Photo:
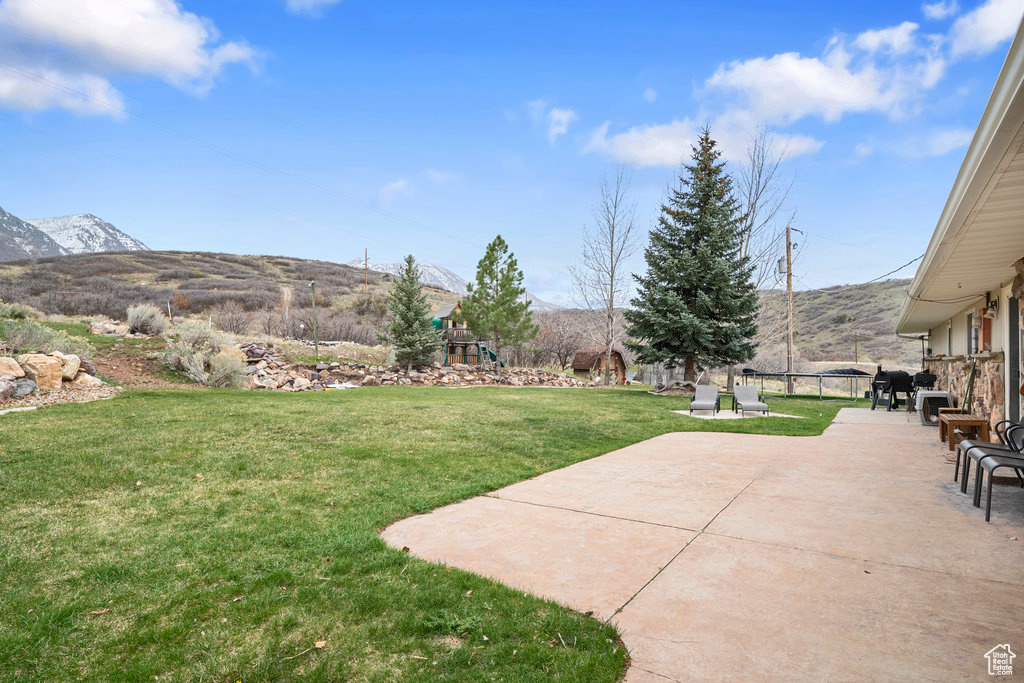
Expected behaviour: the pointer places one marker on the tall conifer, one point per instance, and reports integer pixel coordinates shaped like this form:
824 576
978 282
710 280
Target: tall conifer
696 306
411 332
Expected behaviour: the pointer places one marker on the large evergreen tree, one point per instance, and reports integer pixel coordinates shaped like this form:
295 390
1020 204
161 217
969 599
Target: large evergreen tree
411 332
696 306
496 308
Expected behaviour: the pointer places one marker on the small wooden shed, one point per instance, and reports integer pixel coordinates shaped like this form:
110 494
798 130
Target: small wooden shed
589 364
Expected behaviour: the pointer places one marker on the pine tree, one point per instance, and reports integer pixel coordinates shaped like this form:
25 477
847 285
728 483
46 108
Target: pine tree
496 308
411 332
697 305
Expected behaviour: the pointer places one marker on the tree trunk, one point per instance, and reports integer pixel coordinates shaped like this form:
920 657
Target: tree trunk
730 378
690 370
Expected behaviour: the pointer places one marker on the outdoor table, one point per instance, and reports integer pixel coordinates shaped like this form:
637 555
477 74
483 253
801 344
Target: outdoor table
950 422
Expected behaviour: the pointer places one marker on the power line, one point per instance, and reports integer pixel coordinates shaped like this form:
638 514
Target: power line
859 284
880 277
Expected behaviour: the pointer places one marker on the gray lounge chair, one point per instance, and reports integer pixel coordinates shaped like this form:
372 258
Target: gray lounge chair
745 398
706 398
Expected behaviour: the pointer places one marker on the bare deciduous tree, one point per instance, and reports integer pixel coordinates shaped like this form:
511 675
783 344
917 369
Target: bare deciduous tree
599 279
763 193
561 336
231 317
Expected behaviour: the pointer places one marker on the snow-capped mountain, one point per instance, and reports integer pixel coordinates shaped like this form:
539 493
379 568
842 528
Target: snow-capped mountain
21 240
442 278
540 305
85 233
435 276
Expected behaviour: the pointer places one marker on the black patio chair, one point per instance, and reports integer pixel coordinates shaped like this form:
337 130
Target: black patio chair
1011 442
988 465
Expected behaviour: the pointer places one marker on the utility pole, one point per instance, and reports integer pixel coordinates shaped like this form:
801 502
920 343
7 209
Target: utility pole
316 339
366 270
789 294
856 355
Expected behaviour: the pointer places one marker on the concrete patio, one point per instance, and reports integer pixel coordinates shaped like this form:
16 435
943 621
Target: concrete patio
851 555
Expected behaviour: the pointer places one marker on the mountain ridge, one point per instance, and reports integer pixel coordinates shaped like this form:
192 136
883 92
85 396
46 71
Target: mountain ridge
85 233
443 278
20 239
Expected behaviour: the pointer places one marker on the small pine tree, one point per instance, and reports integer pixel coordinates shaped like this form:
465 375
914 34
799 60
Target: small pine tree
696 305
411 332
496 308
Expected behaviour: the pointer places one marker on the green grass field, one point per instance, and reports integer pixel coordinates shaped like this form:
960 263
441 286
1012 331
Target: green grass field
119 561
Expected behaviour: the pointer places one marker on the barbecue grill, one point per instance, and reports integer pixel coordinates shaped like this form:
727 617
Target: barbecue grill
885 386
925 380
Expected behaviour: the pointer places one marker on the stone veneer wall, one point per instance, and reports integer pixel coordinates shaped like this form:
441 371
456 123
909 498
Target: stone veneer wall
988 397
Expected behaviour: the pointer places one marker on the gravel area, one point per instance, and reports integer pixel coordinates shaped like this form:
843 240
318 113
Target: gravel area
49 398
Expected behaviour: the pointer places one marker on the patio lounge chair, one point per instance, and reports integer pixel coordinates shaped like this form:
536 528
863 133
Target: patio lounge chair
745 398
706 398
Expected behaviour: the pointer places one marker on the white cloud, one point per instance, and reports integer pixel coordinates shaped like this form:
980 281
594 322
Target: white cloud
940 10
883 71
983 29
669 144
558 122
37 89
942 142
93 40
309 7
896 39
650 94
665 144
393 190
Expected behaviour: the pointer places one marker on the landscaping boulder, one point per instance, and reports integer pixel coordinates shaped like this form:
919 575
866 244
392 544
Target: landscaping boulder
253 351
301 384
7 388
84 380
9 366
109 329
69 362
24 387
44 370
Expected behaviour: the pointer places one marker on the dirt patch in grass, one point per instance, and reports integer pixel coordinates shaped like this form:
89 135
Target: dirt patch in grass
138 365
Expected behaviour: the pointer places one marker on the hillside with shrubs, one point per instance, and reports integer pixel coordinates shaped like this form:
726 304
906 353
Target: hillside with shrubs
835 324
257 294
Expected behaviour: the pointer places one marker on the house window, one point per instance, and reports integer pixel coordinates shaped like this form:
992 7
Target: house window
972 335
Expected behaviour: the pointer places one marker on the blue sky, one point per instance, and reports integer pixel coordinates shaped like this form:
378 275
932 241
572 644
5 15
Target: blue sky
314 128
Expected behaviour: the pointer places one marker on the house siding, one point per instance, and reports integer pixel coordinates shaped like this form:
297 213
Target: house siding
952 366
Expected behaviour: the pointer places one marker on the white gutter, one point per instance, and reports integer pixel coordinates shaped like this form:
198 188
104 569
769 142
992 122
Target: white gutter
988 147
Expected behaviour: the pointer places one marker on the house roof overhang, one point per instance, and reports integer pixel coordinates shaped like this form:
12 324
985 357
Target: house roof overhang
981 229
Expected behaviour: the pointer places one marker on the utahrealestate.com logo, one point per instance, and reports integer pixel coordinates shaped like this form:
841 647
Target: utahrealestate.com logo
1000 660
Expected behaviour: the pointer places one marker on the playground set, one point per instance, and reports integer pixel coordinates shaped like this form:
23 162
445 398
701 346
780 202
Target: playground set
460 346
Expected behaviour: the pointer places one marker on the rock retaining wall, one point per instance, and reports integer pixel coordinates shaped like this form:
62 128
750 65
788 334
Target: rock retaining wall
267 369
41 372
988 396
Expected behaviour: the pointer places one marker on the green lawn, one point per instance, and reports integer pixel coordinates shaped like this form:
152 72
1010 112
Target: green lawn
118 561
99 342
